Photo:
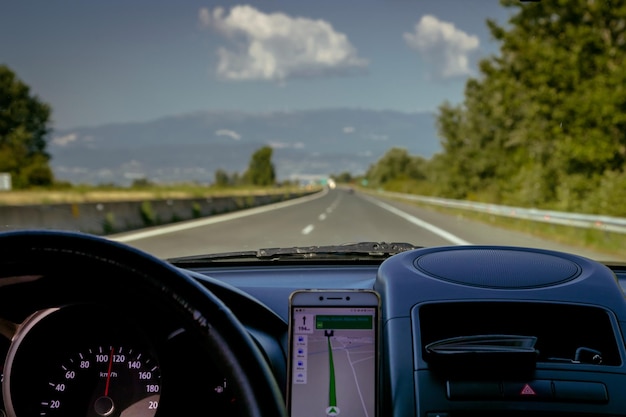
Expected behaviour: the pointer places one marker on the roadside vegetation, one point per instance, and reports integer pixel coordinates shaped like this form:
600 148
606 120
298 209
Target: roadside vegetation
96 194
611 244
542 125
25 126
258 179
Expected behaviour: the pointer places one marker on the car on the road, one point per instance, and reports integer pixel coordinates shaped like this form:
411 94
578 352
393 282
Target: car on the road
464 318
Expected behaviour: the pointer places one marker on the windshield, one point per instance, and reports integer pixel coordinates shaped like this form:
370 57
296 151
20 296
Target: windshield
188 128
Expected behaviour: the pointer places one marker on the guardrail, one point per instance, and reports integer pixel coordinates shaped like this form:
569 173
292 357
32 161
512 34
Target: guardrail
121 216
600 222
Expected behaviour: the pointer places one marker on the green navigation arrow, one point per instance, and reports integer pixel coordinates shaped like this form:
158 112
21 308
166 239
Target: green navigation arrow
332 411
332 393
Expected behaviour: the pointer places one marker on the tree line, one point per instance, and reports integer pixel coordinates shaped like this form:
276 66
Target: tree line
260 172
544 122
24 126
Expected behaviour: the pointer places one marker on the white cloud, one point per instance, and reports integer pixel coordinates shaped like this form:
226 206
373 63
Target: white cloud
105 173
285 145
348 129
134 175
71 170
230 133
277 47
204 17
132 165
377 137
65 140
443 46
70 138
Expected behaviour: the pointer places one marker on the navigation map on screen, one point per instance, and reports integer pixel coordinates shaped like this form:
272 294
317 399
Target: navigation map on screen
334 361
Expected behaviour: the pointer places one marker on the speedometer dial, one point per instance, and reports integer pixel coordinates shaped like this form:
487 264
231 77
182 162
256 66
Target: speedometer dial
104 380
82 360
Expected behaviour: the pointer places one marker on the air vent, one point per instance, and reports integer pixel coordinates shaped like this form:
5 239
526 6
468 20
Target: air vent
565 333
502 268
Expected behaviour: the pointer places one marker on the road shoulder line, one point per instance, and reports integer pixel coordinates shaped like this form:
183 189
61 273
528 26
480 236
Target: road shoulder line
192 224
419 222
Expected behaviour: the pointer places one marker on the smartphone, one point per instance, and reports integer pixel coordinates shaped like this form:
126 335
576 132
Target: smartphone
333 353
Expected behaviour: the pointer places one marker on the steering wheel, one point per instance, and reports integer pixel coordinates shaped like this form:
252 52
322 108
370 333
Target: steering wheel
130 271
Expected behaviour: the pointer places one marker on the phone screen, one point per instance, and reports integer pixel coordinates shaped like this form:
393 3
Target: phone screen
333 361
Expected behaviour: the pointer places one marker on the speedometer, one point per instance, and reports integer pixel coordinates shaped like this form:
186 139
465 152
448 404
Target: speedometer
103 380
82 360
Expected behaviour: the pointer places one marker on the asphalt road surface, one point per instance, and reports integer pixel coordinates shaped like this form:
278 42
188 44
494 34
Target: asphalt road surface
327 218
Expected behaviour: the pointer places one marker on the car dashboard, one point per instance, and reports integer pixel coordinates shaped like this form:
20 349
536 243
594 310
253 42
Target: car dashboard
465 331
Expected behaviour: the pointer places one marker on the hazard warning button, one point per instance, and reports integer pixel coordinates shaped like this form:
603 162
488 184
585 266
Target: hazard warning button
536 390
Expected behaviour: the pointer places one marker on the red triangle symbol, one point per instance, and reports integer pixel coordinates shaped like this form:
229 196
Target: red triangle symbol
527 390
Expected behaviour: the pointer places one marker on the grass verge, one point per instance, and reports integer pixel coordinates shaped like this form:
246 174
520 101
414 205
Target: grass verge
98 195
609 243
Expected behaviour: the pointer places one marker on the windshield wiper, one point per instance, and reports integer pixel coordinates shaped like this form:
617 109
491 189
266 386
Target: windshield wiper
361 250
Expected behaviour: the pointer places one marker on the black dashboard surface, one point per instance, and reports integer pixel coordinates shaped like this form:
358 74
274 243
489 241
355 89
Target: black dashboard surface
572 306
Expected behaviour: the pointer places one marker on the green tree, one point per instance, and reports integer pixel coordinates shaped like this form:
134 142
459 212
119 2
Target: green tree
396 164
344 177
141 183
545 122
24 125
261 169
221 178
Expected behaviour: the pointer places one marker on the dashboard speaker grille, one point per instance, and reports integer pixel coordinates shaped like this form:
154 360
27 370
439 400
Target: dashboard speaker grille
497 268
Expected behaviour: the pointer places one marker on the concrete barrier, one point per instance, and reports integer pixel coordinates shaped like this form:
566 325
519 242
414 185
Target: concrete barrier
114 217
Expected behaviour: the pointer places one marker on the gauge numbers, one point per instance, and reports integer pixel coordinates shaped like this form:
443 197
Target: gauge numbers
104 380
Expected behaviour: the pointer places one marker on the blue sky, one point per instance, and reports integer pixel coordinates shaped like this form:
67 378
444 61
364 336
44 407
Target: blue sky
99 62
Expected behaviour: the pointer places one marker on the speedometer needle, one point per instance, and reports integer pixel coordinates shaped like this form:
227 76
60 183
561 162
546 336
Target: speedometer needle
106 389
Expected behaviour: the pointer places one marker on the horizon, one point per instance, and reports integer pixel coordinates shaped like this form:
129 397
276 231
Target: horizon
247 113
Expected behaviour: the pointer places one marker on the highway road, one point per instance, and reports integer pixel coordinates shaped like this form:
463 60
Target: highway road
327 218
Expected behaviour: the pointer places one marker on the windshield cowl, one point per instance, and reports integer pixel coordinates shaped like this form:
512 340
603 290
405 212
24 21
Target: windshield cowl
361 250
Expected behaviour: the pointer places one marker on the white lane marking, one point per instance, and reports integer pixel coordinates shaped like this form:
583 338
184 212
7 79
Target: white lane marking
322 217
421 223
192 224
308 229
335 203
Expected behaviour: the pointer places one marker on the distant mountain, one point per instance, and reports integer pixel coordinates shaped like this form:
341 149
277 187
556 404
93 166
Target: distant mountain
191 147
